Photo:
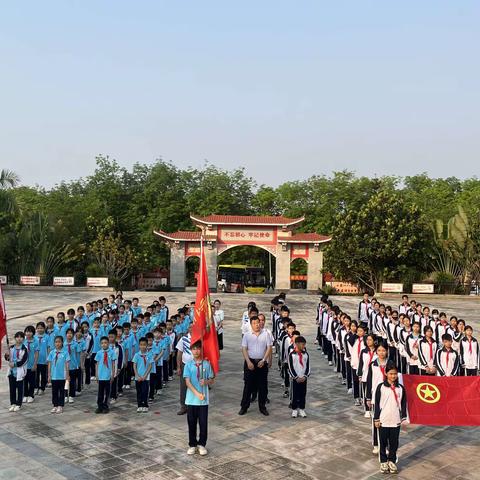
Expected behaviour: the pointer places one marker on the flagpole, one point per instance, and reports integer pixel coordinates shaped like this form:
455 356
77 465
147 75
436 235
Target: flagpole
4 308
203 333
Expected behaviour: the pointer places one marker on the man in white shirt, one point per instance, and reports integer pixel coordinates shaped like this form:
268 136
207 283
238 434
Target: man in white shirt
257 350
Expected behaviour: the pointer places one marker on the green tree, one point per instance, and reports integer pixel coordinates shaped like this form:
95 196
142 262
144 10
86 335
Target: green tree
382 240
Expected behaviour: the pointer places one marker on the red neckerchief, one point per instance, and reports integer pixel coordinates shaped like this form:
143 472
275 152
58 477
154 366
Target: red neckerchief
469 345
415 343
300 356
394 390
382 369
56 356
69 348
15 354
144 359
448 355
430 344
371 353
105 358
28 346
198 370
359 346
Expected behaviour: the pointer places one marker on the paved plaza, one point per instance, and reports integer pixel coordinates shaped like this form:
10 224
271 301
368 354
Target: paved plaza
332 443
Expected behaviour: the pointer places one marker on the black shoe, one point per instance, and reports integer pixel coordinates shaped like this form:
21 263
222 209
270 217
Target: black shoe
264 411
106 410
267 400
242 411
182 411
98 410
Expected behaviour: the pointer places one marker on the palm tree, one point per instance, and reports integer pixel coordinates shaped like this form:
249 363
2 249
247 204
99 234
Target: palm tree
8 180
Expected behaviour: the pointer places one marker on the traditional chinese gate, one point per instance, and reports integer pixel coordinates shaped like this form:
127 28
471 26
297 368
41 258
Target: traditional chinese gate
222 232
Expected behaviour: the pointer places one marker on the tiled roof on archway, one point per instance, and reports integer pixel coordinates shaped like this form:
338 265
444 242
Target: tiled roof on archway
247 219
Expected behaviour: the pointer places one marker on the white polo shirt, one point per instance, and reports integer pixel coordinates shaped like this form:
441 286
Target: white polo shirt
257 344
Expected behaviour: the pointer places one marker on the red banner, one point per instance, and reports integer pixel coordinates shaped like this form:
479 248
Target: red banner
447 401
203 327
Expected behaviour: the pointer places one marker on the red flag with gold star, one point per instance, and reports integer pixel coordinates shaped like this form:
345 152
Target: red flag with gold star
436 400
203 327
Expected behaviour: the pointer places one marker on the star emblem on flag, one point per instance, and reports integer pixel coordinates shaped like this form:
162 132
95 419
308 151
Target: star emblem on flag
428 393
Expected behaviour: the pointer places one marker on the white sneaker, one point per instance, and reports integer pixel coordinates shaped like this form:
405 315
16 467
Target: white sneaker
344 382
17 408
302 413
71 400
357 402
202 450
392 467
78 393
12 408
375 450
170 379
139 410
339 375
93 378
349 390
112 401
30 399
294 413
145 410
127 387
24 400
40 392
384 468
66 399
367 414
53 410
59 409
330 364
192 451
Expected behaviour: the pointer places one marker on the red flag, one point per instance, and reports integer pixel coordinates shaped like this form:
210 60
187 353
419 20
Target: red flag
203 327
3 322
434 400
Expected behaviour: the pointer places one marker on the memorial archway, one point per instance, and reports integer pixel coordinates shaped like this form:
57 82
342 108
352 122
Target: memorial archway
275 234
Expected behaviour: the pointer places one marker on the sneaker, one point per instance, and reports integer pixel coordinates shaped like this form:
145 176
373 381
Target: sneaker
294 413
384 468
112 401
59 409
37 391
286 394
78 393
170 379
367 414
24 400
192 451
344 382
182 411
349 390
53 410
357 402
127 387
17 408
392 467
12 408
375 451
330 364
71 400
302 413
202 450
339 375
242 411
93 378
40 392
319 348
139 410
120 394
145 410
66 399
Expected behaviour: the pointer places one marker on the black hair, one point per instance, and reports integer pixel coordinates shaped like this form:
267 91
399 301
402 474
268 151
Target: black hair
29 328
103 338
296 332
69 330
112 332
390 366
85 323
19 334
197 344
291 324
426 328
58 337
70 311
468 327
446 337
143 340
253 309
300 339
162 298
127 325
149 335
41 324
253 317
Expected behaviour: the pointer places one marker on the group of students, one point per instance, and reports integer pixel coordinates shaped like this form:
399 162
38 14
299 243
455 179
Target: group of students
370 352
113 341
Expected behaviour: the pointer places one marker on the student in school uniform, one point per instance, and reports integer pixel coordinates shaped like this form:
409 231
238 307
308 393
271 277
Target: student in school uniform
364 310
96 336
58 373
42 371
392 337
142 366
287 340
411 347
71 322
17 358
469 353
389 413
367 356
441 328
70 347
447 360
351 331
87 357
171 356
32 348
184 355
79 352
116 348
199 377
105 374
299 370
404 306
355 346
376 376
218 317
404 332
427 348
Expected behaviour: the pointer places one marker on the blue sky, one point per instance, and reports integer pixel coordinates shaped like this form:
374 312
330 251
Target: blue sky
285 89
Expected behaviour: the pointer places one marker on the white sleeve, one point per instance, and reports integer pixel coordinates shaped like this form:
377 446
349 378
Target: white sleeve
180 345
